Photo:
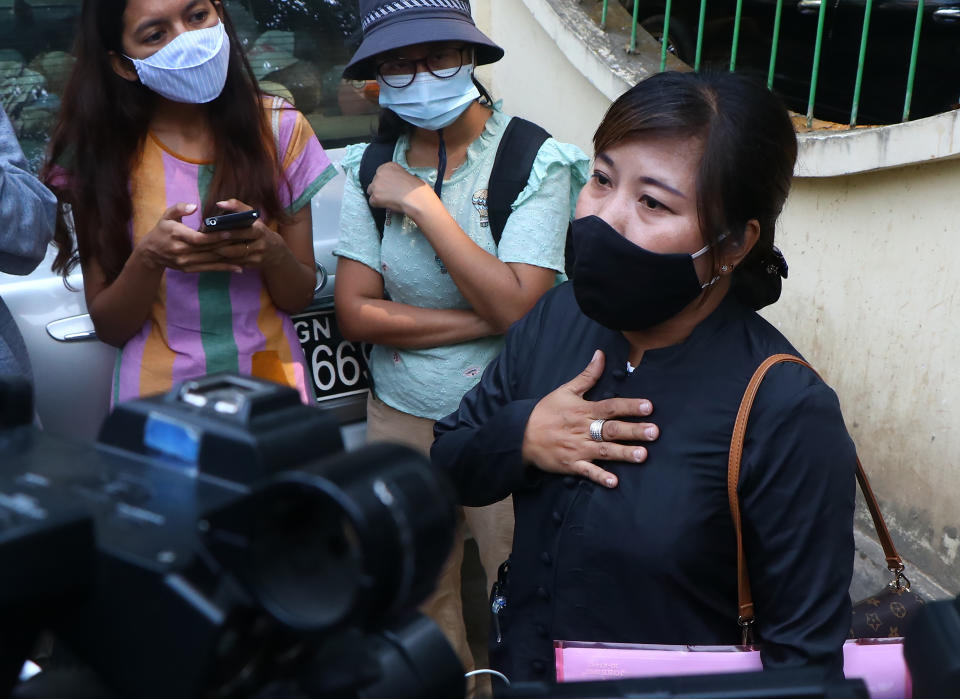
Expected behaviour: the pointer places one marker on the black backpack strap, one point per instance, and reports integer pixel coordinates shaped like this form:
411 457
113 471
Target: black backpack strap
375 155
511 170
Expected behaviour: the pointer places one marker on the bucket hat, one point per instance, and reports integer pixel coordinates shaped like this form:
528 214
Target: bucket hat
388 25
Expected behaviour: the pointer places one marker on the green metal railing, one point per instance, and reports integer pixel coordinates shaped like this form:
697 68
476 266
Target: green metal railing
700 21
861 61
820 6
774 44
815 73
913 60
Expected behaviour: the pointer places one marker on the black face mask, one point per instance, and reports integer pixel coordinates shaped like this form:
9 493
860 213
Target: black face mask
624 287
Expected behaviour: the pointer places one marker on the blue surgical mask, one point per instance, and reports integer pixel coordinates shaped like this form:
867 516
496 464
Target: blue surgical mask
192 68
430 102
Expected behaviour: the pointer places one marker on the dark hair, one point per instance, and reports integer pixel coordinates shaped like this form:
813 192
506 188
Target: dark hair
103 123
390 126
749 151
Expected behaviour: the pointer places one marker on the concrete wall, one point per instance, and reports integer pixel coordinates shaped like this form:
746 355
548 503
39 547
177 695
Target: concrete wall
534 79
871 299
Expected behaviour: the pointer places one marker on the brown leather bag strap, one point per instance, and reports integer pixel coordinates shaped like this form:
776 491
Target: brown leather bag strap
745 598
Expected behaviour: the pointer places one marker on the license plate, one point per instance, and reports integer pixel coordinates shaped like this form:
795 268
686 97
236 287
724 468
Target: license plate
338 367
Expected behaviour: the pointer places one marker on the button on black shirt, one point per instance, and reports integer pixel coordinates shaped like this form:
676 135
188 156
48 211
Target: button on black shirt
654 560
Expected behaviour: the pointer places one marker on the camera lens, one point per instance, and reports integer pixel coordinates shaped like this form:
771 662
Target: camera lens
353 539
305 560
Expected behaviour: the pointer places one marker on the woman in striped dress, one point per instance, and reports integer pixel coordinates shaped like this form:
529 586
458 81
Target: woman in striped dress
162 125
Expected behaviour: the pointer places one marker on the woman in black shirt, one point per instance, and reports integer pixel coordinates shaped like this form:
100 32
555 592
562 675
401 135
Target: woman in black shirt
623 528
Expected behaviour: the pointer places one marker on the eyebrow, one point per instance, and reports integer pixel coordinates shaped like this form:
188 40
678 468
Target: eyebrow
146 24
646 180
160 20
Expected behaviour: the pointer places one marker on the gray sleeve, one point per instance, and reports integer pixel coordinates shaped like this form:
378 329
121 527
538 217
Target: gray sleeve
27 208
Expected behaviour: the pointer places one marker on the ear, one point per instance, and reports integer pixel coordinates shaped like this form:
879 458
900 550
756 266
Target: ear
735 250
123 67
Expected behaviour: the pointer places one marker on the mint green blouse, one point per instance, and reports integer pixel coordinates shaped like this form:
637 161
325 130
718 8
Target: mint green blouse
430 382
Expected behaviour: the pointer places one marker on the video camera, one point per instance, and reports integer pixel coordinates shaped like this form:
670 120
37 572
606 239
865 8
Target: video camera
216 542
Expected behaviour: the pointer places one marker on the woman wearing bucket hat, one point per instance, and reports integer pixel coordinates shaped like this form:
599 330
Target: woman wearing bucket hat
433 286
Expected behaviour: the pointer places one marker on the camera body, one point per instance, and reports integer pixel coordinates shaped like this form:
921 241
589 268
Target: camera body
932 650
214 539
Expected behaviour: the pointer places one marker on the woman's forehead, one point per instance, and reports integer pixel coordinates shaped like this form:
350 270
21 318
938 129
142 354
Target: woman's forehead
138 11
656 151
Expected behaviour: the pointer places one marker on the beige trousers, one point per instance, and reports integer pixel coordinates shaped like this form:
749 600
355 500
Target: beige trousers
491 527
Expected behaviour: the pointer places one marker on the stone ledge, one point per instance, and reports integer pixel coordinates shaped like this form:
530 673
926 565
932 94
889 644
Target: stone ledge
833 153
600 56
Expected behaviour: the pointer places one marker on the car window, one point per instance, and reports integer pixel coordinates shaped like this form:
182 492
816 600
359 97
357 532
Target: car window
297 49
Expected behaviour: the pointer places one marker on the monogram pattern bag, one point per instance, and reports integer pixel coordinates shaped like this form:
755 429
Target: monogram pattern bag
883 615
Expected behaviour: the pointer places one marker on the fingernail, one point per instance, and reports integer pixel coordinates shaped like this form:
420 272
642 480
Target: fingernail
645 407
221 203
651 432
596 356
638 454
190 208
611 482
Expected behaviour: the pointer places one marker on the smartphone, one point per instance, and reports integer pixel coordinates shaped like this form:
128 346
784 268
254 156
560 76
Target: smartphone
231 221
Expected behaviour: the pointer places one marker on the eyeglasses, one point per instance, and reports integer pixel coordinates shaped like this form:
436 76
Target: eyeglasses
441 63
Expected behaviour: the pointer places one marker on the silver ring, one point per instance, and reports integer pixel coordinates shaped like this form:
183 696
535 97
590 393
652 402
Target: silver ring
596 429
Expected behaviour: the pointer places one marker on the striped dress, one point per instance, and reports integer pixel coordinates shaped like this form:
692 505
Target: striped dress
202 323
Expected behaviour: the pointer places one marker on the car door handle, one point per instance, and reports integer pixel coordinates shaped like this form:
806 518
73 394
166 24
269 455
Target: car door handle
321 278
72 329
947 15
809 7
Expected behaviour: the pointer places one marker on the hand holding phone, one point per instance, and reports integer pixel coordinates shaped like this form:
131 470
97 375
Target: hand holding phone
231 221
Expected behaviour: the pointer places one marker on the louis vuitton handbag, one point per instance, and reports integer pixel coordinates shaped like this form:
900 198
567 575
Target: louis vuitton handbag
874 653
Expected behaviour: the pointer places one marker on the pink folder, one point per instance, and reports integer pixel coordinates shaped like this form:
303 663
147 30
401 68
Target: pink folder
878 661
